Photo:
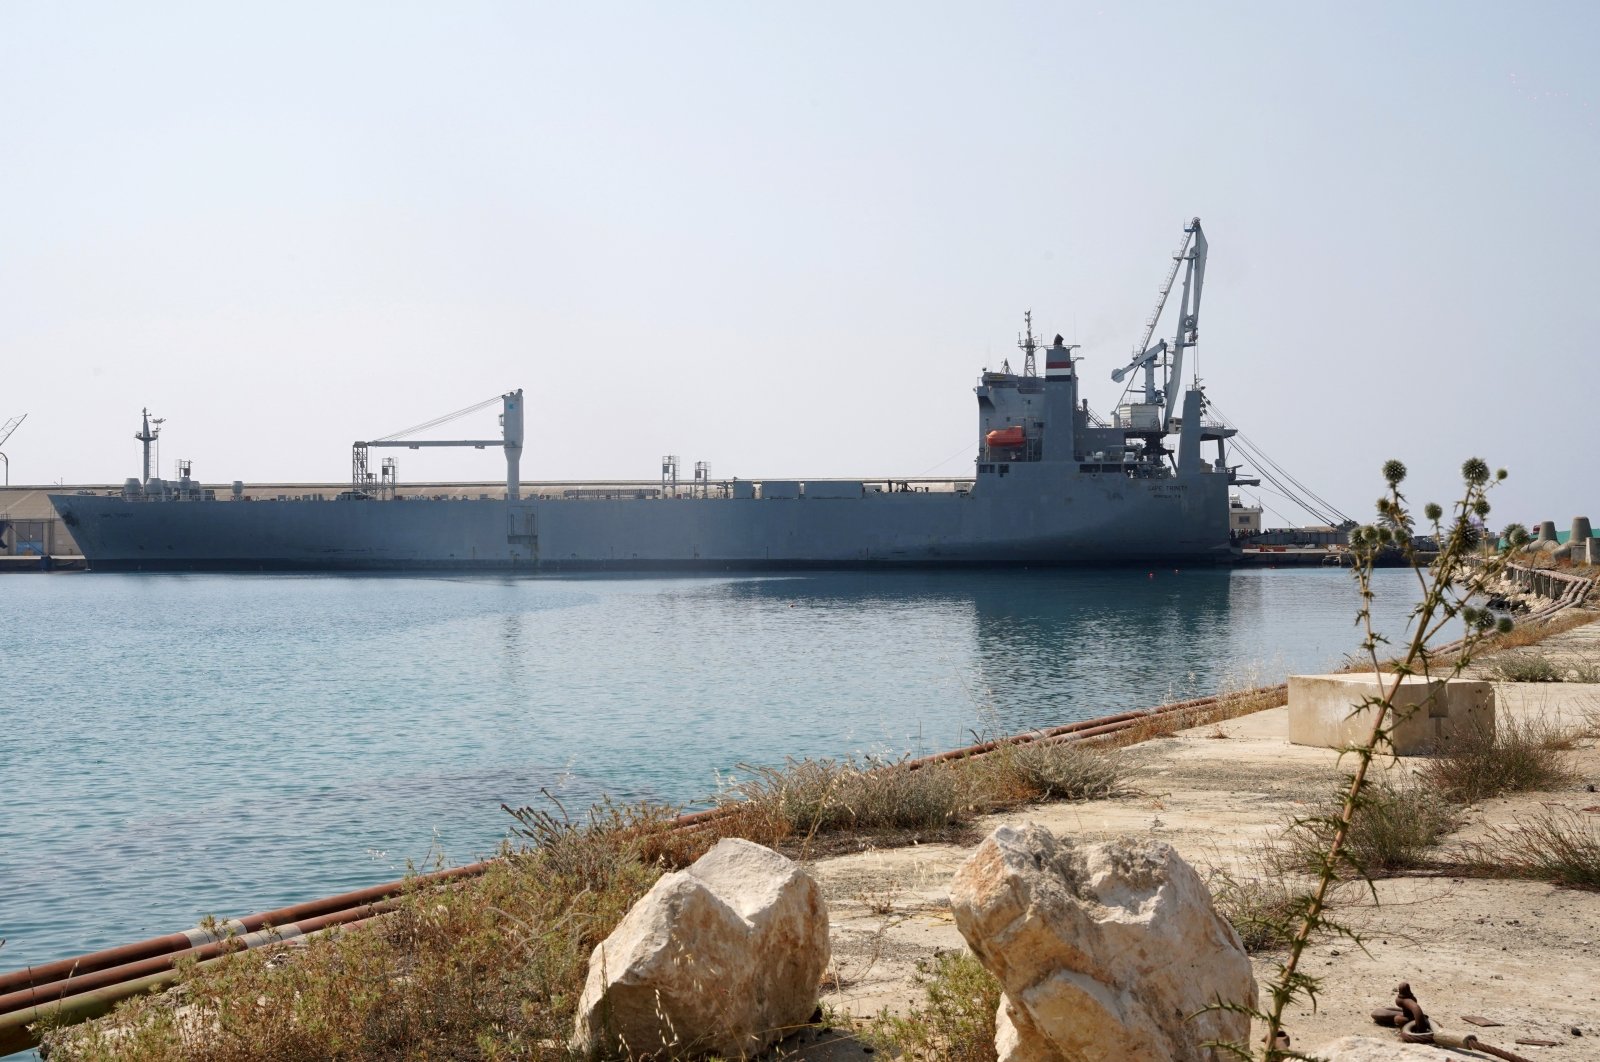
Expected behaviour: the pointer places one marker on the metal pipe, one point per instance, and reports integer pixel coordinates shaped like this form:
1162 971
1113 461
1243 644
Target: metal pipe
16 1034
48 973
30 997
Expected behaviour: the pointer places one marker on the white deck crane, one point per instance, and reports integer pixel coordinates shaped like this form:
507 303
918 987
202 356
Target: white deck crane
362 481
1147 362
6 430
1190 256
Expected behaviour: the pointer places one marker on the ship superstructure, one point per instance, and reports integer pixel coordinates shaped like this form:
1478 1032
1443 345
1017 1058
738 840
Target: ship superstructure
1052 483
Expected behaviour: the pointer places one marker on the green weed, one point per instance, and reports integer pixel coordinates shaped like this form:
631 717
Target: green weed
956 1022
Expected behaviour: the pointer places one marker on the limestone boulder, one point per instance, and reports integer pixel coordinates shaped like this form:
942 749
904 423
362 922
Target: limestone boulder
1106 952
722 958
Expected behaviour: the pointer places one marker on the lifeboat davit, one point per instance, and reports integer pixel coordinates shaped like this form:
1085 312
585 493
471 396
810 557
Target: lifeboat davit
1004 438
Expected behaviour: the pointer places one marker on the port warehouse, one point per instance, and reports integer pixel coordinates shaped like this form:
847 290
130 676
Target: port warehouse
29 525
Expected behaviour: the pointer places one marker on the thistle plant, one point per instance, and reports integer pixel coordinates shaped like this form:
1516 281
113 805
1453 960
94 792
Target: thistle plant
1448 585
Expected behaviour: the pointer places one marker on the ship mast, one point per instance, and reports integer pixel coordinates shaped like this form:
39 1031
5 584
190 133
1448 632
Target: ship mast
148 435
1027 344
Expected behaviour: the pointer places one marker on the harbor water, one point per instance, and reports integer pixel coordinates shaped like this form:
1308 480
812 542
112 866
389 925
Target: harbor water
182 745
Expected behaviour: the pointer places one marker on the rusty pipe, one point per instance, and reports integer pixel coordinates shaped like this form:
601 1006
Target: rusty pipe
29 997
176 943
16 1033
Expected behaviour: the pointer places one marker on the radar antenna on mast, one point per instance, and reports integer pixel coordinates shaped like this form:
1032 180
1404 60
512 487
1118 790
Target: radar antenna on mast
1027 344
149 431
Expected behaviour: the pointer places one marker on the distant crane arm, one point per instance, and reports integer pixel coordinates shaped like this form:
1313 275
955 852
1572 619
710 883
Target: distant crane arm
5 433
10 426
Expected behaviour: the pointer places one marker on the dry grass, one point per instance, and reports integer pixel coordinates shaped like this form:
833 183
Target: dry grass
1488 761
1533 632
956 1022
1524 634
1061 771
1523 667
1587 671
1394 828
1057 770
1264 909
1558 845
807 798
488 969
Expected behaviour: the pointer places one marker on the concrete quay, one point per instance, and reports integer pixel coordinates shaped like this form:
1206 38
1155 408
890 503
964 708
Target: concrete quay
1523 953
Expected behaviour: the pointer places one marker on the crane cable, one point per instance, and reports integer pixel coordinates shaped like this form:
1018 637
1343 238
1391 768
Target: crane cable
1288 492
1260 456
1325 509
1270 509
437 421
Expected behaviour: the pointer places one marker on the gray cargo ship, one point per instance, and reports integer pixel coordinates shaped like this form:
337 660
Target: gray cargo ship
1052 484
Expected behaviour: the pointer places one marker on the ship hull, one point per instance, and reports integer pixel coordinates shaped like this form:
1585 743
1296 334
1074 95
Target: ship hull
1026 519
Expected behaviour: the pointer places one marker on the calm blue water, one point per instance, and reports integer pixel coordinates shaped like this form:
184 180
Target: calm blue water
174 746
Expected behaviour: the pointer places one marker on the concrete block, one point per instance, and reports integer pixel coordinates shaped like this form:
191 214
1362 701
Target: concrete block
1323 710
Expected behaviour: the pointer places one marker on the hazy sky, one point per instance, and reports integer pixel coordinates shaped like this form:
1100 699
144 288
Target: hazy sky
785 239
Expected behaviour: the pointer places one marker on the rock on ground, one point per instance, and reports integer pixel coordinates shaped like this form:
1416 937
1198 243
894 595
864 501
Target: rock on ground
720 959
1106 952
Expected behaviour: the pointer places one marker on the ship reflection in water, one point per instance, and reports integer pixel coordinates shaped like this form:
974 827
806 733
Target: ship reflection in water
1021 650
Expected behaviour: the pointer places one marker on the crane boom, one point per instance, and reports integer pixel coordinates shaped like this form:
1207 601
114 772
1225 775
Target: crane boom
10 426
362 480
1191 252
1147 362
1166 289
1189 311
5 433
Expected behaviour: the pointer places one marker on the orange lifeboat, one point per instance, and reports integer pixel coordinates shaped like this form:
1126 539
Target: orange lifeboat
1004 438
